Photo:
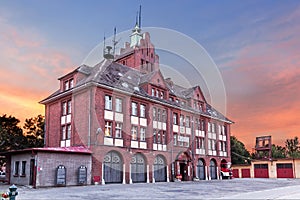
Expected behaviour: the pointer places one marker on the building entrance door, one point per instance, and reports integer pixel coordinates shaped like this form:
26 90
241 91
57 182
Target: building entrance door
183 171
31 174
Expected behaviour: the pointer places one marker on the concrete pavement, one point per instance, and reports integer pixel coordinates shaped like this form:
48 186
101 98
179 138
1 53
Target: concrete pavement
214 189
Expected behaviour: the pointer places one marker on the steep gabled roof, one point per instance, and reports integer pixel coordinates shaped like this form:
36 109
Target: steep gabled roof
127 79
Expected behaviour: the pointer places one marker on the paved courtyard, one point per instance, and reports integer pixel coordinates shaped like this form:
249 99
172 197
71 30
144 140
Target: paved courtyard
216 189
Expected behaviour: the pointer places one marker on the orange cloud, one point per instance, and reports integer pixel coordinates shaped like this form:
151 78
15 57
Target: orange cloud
28 70
263 89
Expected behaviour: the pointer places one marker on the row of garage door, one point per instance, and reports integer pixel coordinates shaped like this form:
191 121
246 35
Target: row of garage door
284 170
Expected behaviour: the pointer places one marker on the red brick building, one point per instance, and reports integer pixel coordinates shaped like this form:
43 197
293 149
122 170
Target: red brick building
139 126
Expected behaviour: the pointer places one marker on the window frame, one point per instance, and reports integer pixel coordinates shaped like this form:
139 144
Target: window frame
118 130
143 134
108 129
23 168
134 133
134 108
108 102
143 110
119 105
16 168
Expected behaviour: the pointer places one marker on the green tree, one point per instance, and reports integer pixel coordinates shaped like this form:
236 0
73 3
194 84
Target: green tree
239 154
292 147
34 131
11 135
278 151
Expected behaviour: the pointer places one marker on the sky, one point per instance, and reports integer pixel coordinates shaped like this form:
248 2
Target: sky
254 44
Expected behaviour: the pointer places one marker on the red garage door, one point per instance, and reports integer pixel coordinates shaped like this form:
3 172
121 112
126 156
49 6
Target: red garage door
235 173
284 170
261 171
245 173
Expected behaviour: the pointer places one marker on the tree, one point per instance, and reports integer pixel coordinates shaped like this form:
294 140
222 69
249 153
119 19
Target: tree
239 154
292 147
278 151
11 135
34 131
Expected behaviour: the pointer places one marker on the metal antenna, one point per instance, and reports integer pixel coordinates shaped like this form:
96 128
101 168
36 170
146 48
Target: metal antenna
104 45
114 41
140 17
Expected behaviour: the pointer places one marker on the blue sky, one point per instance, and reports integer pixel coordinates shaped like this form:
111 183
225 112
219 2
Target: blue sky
255 44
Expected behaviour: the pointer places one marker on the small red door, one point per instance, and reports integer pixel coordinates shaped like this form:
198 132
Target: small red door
235 173
284 170
261 171
245 173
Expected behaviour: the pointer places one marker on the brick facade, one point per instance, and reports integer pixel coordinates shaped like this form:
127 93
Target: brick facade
169 114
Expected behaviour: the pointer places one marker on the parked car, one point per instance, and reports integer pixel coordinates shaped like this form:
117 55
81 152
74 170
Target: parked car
2 177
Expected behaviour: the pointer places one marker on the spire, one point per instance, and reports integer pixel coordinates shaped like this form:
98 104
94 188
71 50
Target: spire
136 35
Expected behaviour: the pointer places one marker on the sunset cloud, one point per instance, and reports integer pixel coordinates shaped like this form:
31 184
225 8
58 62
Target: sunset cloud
29 70
262 83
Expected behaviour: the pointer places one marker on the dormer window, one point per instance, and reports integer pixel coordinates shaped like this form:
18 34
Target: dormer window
71 83
152 92
161 94
68 84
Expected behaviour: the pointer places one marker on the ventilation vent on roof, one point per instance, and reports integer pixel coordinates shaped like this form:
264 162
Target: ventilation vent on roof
125 85
136 89
120 74
129 77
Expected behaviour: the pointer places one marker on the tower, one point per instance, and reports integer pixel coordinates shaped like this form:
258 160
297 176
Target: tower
263 147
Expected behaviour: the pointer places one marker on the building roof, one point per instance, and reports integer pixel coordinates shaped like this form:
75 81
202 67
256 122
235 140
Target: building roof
127 79
73 149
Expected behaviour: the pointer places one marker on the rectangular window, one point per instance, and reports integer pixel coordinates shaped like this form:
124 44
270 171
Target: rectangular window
158 115
134 133
209 127
23 169
143 134
154 137
213 144
157 94
162 95
71 83
209 144
163 138
69 109
181 120
187 121
118 130
63 133
66 86
142 111
69 131
152 92
164 116
154 114
175 139
159 137
200 143
213 128
134 108
202 125
119 105
16 168
108 102
175 118
64 108
108 128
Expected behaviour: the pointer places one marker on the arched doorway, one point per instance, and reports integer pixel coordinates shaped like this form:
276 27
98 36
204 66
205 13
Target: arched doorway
138 168
201 169
113 165
213 169
183 167
160 169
